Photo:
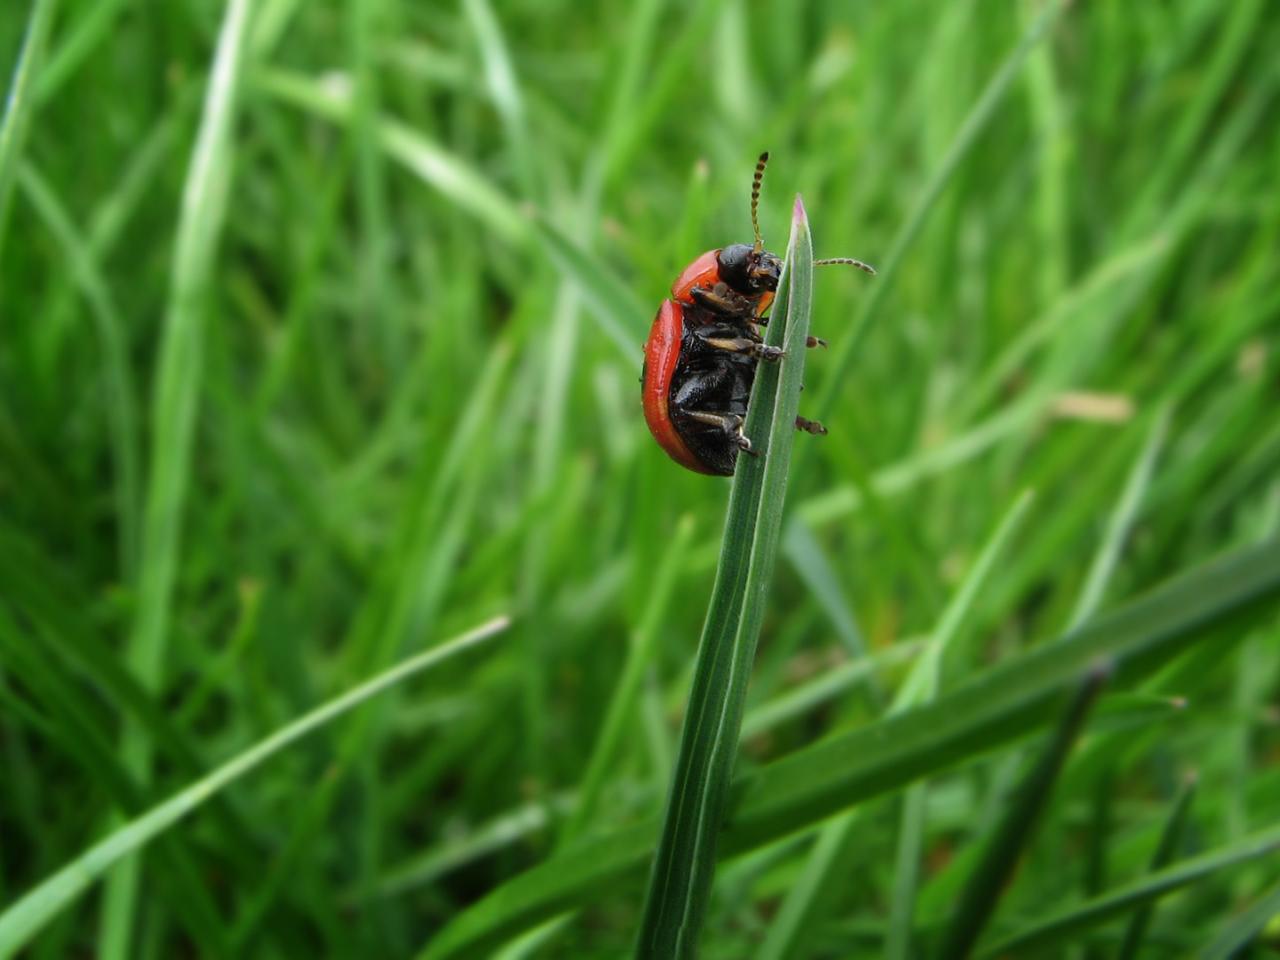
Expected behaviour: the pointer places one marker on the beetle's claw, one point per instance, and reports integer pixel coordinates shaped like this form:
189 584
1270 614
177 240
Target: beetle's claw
766 352
811 426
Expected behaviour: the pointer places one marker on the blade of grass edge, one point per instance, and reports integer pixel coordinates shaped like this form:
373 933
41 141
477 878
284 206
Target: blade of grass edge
613 304
25 917
921 687
175 398
1240 930
1121 521
120 415
1000 706
1144 890
1011 697
518 823
974 123
457 180
1165 849
622 704
797 912
17 112
684 863
990 877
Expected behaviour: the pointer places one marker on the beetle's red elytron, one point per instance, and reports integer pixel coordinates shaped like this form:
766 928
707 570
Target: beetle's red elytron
703 347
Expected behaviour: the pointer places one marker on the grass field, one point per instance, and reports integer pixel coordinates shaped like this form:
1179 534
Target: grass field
320 331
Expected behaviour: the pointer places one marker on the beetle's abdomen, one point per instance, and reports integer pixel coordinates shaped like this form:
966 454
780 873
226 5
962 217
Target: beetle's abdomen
709 380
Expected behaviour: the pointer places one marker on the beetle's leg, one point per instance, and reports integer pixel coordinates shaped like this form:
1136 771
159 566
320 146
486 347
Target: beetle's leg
810 426
730 423
754 328
754 332
723 301
751 348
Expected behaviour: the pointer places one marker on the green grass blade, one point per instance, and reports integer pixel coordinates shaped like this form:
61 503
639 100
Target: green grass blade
906 872
448 173
1169 176
18 102
922 687
808 894
1170 837
965 139
785 937
120 413
990 876
1105 283
1003 702
372 269
483 840
1121 522
622 705
90 28
24 918
806 555
446 231
174 401
80 732
826 686
177 379
922 683
503 85
1146 889
612 302
534 943
684 865
518 824
68 641
903 476
1241 930
997 707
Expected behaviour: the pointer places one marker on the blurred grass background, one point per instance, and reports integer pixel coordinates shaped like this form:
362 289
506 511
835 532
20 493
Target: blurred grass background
374 381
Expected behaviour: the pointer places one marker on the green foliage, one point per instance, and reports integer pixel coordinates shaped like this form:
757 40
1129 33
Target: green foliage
684 863
20 921
321 330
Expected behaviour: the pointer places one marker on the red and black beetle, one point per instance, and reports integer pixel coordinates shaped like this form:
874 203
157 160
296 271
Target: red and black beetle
701 355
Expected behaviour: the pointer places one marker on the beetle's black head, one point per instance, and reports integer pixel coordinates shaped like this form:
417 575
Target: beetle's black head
749 271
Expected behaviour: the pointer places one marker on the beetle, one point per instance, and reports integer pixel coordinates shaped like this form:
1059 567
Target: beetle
704 346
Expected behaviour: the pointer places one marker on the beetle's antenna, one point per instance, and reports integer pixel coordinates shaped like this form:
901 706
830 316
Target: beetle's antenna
755 199
848 261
